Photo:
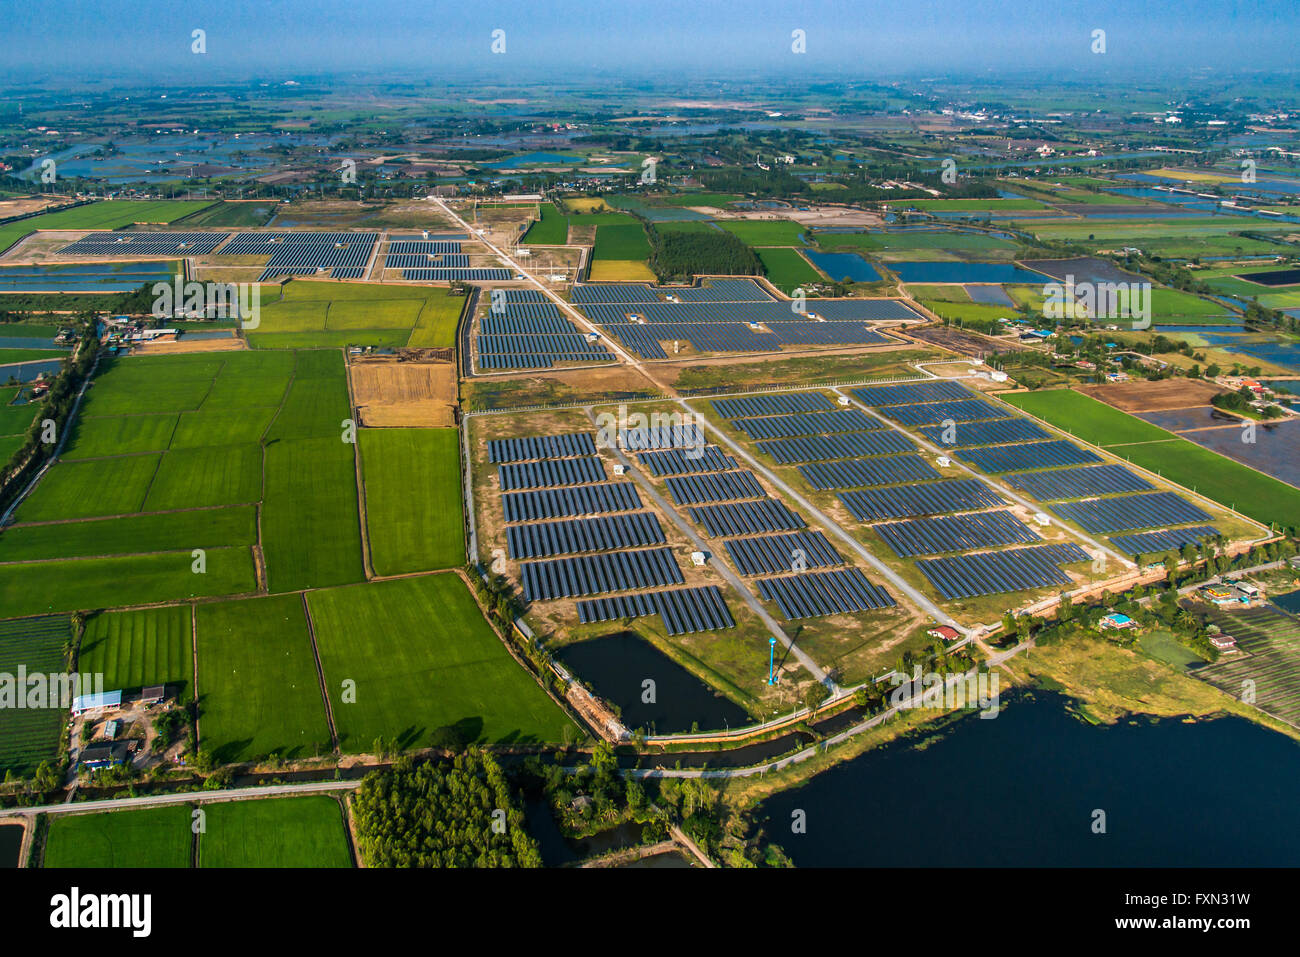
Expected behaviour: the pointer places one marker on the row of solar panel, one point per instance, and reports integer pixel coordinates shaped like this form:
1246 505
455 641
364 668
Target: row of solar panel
1078 482
708 458
820 448
539 504
765 313
1031 455
746 518
592 574
347 272
714 487
145 244
457 275
522 448
929 413
544 539
534 360
688 435
524 345
993 573
304 250
792 552
550 472
524 326
954 533
806 423
951 495
422 247
1152 543
912 392
813 594
994 432
412 261
857 473
775 404
683 610
1151 510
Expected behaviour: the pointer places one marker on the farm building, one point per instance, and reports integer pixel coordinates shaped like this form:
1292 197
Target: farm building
156 694
96 703
946 632
1223 642
1116 621
98 756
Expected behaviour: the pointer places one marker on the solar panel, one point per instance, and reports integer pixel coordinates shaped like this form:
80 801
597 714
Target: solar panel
550 472
581 500
683 610
806 423
911 392
1150 543
593 574
992 573
1130 511
930 412
772 404
714 487
954 495
540 447
687 435
534 345
1078 483
995 432
1030 455
472 274
123 243
954 533
814 448
708 458
814 594
793 552
506 360
606 532
746 518
855 473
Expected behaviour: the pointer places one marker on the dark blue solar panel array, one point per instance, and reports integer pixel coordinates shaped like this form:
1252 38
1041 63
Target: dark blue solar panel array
685 436
593 574
955 495
347 272
911 392
473 274
813 594
683 610
819 448
422 247
545 539
712 290
746 518
577 471
540 447
1078 483
1149 543
992 573
506 360
303 253
806 423
954 533
435 260
777 403
526 325
995 432
856 473
709 458
1031 455
1130 511
145 244
826 334
964 410
561 502
714 487
771 554
541 345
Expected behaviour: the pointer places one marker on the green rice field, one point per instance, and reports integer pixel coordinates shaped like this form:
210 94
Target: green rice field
551 230
140 648
29 736
414 516
112 214
144 837
275 832
786 268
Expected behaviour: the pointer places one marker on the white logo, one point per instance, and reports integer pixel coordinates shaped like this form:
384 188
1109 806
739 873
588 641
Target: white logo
73 910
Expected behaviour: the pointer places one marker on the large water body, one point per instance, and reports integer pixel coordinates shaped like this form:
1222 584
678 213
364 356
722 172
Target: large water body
1022 789
923 272
840 265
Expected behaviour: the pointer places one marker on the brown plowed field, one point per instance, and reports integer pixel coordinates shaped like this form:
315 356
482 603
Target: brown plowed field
1140 395
394 394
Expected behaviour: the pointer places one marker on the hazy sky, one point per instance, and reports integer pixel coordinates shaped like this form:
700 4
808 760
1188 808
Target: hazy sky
706 37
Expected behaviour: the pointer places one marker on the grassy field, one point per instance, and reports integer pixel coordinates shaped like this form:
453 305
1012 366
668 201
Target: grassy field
147 837
242 213
112 214
258 689
278 832
133 534
136 649
29 736
551 230
920 244
765 232
623 243
314 314
1215 476
414 515
786 268
620 270
423 657
973 314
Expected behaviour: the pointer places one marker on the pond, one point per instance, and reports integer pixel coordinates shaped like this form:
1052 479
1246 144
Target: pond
843 265
618 667
923 272
1022 790
11 843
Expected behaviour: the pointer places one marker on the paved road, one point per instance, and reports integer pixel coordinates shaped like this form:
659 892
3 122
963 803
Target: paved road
183 797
